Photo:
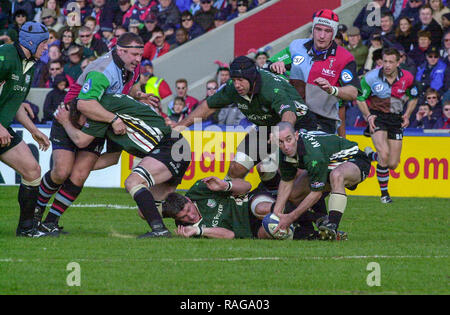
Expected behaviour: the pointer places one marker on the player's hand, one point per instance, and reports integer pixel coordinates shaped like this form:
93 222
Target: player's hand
284 223
215 184
62 114
119 127
278 67
149 99
405 122
324 85
5 137
186 231
371 122
28 109
42 140
179 128
169 122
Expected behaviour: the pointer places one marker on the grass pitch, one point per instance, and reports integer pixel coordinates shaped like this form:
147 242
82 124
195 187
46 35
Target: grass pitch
409 239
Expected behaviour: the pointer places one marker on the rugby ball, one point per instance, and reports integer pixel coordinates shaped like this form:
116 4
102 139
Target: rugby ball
270 223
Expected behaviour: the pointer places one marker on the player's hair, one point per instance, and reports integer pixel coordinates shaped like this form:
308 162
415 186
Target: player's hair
390 52
128 38
173 204
74 113
283 125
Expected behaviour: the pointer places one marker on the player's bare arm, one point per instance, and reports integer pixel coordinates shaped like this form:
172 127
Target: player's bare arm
346 93
23 118
237 186
78 137
106 160
95 111
290 117
217 232
409 109
202 111
362 105
284 191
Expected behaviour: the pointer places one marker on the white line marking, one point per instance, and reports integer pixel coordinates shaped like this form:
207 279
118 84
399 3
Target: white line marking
236 258
109 206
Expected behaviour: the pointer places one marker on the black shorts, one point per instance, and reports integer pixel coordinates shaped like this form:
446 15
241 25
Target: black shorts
14 141
308 122
177 162
255 144
392 123
325 124
363 162
61 141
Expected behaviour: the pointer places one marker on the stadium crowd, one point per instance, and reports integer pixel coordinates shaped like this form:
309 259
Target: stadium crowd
418 29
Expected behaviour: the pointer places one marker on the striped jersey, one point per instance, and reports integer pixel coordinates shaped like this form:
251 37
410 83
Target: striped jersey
319 153
145 128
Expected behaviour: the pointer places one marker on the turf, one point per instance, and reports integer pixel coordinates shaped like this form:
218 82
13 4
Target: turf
408 239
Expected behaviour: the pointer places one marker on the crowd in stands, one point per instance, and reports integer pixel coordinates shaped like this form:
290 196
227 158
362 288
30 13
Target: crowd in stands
418 29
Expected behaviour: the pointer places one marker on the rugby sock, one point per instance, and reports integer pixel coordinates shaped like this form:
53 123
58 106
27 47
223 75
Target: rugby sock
63 200
320 207
146 203
27 201
337 205
46 190
383 179
373 156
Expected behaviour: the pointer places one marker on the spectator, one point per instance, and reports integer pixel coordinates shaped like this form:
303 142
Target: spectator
122 7
181 37
433 99
411 11
91 22
54 68
242 8
118 31
223 74
5 12
195 6
230 115
53 38
169 33
54 5
102 13
406 62
261 58
85 9
403 34
181 86
231 7
256 3
357 48
183 5
68 37
439 9
375 44
205 16
87 40
138 11
363 17
107 35
423 118
445 22
179 109
418 53
55 97
19 19
157 46
86 62
220 19
387 28
152 84
150 23
134 26
187 22
49 19
443 122
445 45
342 29
25 5
431 73
54 53
73 67
167 12
427 23
377 59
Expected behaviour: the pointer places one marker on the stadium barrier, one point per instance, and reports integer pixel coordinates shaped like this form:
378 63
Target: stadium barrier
422 172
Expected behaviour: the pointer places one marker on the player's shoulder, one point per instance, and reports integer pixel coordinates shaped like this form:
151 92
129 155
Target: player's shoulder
7 50
299 44
372 75
408 76
343 54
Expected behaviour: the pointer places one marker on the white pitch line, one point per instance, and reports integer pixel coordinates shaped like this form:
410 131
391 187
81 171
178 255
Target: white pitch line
109 206
238 258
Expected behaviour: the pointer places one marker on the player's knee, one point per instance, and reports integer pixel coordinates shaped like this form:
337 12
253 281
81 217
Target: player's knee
33 173
60 174
132 181
78 177
383 158
392 165
237 170
336 177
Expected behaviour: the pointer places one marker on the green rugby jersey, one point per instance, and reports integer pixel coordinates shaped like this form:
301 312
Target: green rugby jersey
145 128
16 75
272 97
319 153
221 209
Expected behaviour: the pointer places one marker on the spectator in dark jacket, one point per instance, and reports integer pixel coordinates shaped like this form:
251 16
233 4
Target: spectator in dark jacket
431 73
411 11
427 23
443 122
122 8
187 22
205 16
403 34
55 97
363 17
138 11
25 5
418 53
167 12
103 14
87 40
424 118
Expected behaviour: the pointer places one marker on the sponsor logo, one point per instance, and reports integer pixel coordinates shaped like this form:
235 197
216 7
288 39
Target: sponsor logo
414 91
87 86
378 88
317 185
242 106
297 60
27 79
283 107
19 88
211 203
346 76
328 72
331 62
14 77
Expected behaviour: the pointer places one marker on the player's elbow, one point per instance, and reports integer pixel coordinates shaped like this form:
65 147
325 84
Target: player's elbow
83 105
229 235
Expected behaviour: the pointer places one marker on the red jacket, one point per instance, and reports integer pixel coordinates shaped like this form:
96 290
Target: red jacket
150 50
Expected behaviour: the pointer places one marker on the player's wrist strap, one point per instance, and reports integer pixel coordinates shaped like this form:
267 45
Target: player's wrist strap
114 119
230 185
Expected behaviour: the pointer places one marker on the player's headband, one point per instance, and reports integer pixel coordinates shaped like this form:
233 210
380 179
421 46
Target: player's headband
135 46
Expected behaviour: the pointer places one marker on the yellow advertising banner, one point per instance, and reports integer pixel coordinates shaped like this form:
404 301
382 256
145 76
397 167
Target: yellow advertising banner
423 170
